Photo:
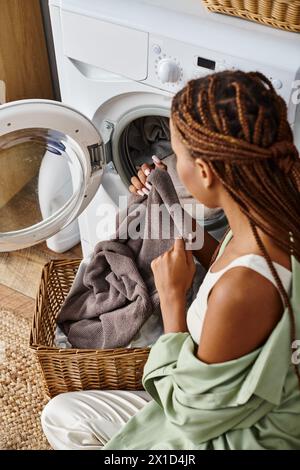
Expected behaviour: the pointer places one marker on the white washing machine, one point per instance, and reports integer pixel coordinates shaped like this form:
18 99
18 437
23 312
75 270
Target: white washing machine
119 64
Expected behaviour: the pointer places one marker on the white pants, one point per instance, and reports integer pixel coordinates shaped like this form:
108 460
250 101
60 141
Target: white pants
88 420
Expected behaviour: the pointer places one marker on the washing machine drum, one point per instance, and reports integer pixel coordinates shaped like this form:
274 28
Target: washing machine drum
142 138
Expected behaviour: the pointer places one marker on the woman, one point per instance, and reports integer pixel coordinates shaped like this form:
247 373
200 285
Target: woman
222 376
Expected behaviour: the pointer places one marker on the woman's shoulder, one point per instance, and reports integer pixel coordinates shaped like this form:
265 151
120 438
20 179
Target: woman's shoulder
243 309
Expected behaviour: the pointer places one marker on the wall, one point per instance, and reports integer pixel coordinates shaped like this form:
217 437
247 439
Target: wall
24 66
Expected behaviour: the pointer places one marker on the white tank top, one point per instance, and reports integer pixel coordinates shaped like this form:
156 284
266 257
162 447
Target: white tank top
197 310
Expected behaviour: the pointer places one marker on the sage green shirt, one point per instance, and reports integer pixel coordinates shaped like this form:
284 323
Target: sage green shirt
252 402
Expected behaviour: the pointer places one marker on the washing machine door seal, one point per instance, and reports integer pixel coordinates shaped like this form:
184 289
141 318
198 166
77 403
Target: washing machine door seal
30 129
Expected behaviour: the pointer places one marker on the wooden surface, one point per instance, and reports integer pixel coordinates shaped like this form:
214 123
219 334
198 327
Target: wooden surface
13 300
24 65
2 92
20 273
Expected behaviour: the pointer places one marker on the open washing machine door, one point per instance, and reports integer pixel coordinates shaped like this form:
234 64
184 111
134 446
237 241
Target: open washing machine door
32 131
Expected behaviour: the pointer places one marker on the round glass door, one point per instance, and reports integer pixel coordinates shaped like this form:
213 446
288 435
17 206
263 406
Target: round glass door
45 179
26 160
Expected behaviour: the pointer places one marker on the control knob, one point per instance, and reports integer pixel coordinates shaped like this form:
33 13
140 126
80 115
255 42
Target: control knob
168 71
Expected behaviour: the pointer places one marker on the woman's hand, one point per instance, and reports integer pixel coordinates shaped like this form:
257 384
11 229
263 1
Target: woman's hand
139 183
173 275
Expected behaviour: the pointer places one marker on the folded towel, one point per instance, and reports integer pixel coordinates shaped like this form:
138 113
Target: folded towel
117 293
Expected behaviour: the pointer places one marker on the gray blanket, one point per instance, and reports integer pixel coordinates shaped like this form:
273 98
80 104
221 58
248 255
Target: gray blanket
117 294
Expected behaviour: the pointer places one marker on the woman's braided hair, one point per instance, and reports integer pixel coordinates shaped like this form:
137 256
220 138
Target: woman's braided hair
236 122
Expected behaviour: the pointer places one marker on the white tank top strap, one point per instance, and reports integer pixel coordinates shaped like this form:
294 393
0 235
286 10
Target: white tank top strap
197 310
259 264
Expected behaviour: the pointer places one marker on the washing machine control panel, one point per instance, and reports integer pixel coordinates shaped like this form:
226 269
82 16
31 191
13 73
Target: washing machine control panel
172 63
165 69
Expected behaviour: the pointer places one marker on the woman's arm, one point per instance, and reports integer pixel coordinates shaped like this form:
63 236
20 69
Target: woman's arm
173 311
173 274
243 309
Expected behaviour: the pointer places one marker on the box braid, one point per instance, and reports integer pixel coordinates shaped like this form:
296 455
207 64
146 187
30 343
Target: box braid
236 122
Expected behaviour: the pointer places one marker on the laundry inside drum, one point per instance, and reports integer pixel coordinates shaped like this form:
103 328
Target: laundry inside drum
142 138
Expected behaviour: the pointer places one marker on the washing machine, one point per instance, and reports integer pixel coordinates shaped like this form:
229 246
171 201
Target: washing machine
65 167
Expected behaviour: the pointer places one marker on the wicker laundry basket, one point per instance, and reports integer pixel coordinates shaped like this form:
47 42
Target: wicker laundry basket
283 14
67 370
